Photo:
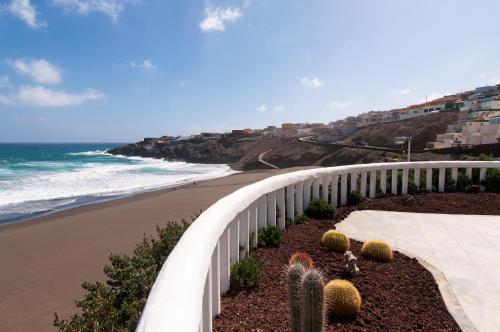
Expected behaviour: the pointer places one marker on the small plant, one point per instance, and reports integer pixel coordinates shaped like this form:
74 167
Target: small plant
342 298
288 222
301 258
294 279
312 310
319 209
301 218
377 250
491 182
354 198
270 236
335 241
464 183
245 274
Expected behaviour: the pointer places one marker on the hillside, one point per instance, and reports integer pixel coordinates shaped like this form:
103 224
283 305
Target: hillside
422 130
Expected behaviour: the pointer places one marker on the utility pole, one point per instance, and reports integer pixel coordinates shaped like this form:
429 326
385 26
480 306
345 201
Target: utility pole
409 147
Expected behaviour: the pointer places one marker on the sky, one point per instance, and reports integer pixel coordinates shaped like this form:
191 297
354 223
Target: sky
121 70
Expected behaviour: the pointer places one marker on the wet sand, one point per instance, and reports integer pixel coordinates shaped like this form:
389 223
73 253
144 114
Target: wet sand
44 261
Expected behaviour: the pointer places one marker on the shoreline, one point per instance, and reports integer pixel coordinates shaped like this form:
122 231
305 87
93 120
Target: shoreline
44 260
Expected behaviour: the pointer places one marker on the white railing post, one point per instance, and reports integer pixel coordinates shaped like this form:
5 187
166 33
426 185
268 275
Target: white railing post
416 178
343 189
271 209
290 201
253 223
307 193
383 181
442 172
404 184
428 179
262 212
482 173
362 187
325 186
454 174
244 233
468 172
299 198
215 268
394 181
206 317
316 183
234 237
335 190
373 184
224 260
281 207
354 182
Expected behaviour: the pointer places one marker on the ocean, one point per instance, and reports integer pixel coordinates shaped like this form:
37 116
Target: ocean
39 179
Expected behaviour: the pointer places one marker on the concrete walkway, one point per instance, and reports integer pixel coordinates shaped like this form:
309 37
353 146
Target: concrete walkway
261 159
461 251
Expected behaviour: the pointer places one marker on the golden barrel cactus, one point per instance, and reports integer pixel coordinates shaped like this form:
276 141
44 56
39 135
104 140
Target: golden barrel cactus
377 250
342 298
335 241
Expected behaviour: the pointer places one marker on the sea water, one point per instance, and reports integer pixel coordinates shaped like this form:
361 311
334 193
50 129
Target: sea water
38 179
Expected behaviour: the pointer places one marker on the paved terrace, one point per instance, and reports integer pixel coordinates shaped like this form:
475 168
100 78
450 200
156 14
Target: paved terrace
461 251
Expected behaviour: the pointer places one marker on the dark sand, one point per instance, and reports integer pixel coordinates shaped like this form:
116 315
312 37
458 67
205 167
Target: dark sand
43 262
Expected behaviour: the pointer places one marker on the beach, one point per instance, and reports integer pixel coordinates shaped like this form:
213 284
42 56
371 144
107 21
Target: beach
44 261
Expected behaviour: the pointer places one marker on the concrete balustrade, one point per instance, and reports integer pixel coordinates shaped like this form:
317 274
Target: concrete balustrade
186 294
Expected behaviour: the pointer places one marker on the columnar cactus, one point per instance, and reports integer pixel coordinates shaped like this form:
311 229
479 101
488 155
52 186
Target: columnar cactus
302 258
312 302
294 280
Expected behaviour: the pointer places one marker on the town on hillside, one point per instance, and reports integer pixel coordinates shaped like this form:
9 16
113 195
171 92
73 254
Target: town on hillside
478 123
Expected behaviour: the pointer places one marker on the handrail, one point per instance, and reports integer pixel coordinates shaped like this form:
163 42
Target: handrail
193 274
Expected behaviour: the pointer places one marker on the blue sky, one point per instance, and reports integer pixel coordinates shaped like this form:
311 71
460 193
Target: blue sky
116 71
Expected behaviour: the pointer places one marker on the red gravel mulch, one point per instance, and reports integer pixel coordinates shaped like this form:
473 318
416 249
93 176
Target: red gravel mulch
397 296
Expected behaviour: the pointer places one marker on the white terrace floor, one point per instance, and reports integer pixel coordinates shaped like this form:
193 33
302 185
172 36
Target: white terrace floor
464 248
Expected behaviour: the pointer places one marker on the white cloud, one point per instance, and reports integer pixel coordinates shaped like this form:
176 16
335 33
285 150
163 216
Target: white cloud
43 97
24 10
40 70
182 84
146 65
5 82
339 105
112 8
279 108
311 82
216 18
401 92
262 108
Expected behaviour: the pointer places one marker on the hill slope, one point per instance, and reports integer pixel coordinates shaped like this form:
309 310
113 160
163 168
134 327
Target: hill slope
422 130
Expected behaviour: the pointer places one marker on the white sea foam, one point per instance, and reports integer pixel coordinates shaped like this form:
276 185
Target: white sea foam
74 180
89 153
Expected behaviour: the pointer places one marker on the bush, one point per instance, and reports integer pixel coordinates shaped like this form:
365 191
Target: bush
491 181
245 274
300 218
117 304
319 209
288 222
270 236
336 241
377 250
354 198
464 183
301 258
342 298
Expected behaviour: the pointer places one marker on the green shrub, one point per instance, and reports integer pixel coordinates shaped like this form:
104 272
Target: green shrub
300 218
245 274
491 181
117 304
464 183
270 236
354 198
319 209
288 222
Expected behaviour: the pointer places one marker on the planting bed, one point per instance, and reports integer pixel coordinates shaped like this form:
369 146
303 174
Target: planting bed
396 296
